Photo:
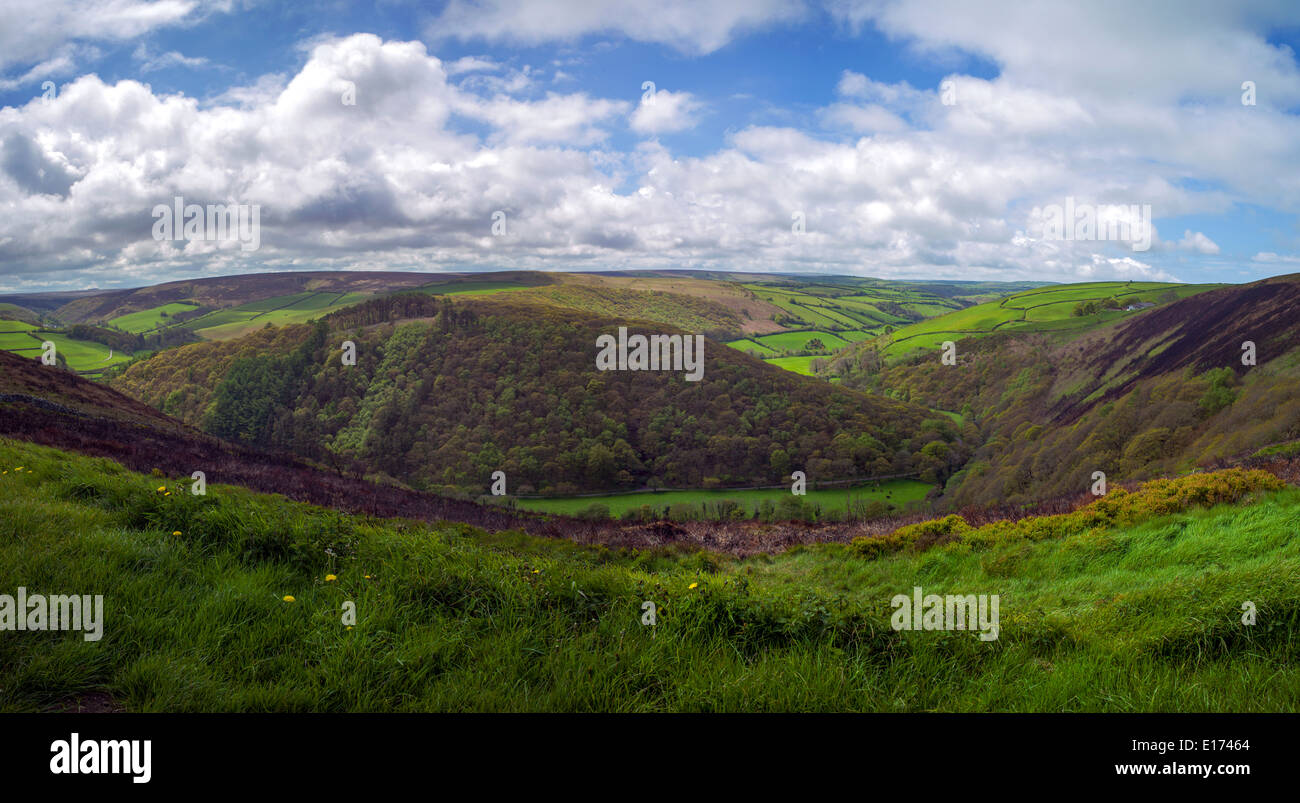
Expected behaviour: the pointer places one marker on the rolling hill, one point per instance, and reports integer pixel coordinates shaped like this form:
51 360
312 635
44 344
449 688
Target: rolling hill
1159 391
445 394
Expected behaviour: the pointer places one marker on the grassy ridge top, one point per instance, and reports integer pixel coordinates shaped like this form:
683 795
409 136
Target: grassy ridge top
1139 616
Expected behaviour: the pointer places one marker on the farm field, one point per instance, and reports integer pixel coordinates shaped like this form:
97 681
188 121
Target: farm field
278 311
81 355
839 314
757 349
897 492
13 335
796 341
800 365
150 319
1043 309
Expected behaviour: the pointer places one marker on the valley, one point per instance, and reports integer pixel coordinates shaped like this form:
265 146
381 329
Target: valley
370 482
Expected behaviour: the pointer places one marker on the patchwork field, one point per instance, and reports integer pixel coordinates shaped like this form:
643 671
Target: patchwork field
1044 309
837 313
81 355
800 365
278 311
797 341
14 336
895 492
150 319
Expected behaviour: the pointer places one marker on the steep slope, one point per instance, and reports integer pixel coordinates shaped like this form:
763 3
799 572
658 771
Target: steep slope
1161 391
445 394
55 407
232 602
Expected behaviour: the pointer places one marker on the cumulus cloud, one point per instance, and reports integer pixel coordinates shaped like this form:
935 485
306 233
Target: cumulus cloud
691 26
664 112
887 178
1198 242
36 28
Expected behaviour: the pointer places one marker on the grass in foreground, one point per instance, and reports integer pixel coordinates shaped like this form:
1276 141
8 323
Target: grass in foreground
1143 617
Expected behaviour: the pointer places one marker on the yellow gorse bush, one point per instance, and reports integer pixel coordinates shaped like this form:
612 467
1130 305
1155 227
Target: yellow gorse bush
1118 508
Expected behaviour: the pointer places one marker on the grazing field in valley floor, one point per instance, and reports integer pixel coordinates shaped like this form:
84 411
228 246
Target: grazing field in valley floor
895 492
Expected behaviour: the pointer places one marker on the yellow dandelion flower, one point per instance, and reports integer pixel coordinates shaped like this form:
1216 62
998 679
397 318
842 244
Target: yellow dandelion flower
289 598
349 627
692 585
329 578
178 532
162 488
537 571
169 493
367 577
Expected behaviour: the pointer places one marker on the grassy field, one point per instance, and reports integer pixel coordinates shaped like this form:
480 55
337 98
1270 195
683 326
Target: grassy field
150 319
796 341
235 601
757 349
1045 309
800 365
227 324
838 314
896 492
14 335
81 355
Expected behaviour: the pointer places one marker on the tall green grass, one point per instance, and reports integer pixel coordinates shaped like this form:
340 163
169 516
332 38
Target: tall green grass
1143 616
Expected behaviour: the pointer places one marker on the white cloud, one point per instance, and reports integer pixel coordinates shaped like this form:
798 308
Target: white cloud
472 64
894 184
151 62
692 26
1198 242
665 112
36 28
1270 257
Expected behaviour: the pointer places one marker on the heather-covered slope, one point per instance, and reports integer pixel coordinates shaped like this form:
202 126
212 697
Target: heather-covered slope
1160 392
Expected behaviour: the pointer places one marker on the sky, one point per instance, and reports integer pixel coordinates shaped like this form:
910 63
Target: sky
931 139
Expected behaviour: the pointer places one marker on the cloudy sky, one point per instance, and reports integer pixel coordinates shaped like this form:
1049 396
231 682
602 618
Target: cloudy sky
926 139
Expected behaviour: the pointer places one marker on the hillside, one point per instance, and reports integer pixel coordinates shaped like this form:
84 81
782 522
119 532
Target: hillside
1133 604
445 394
742 309
1068 309
1155 392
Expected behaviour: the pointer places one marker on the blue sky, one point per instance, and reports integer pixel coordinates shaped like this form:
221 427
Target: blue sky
928 139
